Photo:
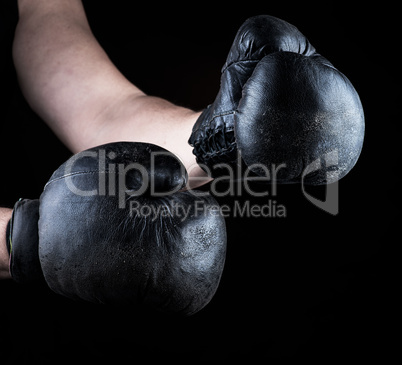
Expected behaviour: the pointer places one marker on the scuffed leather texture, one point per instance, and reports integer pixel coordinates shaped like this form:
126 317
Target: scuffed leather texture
23 229
93 249
328 119
280 102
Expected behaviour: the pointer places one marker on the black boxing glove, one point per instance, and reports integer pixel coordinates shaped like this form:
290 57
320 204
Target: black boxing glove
111 226
280 103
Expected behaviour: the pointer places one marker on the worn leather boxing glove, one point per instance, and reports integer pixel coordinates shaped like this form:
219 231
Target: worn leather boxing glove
111 226
280 103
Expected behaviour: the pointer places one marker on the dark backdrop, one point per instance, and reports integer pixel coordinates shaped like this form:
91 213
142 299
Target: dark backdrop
310 286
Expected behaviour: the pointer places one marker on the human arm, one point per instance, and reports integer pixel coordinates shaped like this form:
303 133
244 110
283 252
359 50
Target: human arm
70 82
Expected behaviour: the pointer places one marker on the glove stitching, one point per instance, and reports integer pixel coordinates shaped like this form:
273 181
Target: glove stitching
73 174
241 61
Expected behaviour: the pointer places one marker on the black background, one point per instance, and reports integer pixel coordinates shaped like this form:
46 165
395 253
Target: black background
310 286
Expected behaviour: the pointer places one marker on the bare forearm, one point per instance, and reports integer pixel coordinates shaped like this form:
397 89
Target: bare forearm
68 79
5 215
59 62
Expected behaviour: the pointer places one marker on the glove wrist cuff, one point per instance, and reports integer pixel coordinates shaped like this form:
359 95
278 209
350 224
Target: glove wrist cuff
23 242
214 142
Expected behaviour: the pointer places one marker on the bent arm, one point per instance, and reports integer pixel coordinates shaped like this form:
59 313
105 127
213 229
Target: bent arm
62 70
70 82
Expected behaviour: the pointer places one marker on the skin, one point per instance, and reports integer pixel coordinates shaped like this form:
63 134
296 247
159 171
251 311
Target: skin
5 215
70 82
